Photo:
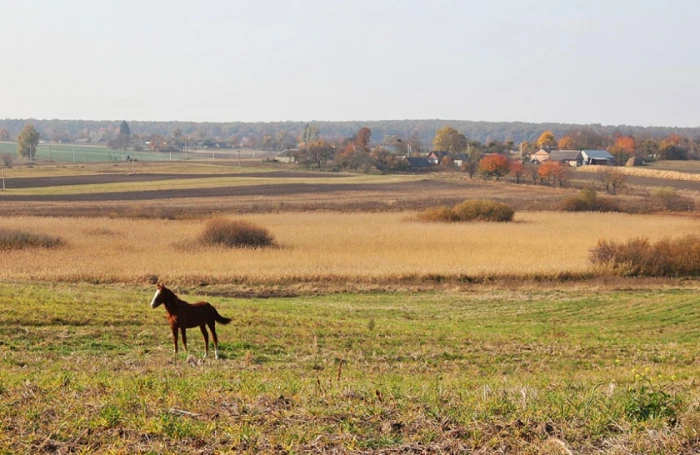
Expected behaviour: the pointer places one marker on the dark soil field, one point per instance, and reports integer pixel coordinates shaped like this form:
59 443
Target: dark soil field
98 179
282 194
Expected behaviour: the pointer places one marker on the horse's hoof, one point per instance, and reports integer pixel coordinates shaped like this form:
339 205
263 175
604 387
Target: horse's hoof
216 355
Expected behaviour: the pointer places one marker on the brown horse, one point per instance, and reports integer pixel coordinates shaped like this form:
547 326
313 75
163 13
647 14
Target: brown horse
182 316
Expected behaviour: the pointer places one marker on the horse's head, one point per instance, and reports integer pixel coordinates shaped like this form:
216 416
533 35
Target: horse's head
160 295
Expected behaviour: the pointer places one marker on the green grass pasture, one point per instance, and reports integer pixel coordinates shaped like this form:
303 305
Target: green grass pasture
86 368
88 154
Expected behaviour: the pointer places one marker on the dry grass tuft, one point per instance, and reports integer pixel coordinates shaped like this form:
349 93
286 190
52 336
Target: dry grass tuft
642 172
588 201
11 239
640 257
235 234
469 210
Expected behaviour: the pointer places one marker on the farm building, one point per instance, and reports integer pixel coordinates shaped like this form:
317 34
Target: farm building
418 163
287 156
597 157
539 156
436 157
571 157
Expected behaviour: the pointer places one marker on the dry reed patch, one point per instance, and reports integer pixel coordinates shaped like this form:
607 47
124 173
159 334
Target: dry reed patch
220 231
642 172
12 239
319 246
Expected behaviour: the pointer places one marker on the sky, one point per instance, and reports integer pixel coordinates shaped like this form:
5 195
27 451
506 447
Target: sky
613 62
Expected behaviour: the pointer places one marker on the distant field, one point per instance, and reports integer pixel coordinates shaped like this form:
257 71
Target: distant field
327 247
89 369
690 167
70 153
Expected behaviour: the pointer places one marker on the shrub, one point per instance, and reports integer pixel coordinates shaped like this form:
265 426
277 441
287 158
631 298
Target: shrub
469 210
235 234
7 160
437 214
17 240
478 210
587 201
639 257
666 198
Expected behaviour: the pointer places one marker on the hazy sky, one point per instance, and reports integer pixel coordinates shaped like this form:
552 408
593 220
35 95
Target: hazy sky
632 62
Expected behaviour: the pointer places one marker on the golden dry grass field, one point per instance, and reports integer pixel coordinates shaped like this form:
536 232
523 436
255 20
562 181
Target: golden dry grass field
364 247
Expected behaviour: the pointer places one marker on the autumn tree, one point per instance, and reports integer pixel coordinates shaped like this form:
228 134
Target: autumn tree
317 153
551 172
282 139
612 179
586 139
178 139
449 139
5 135
157 142
310 134
497 147
415 143
7 160
27 142
362 138
517 170
494 166
547 141
533 170
673 148
623 149
648 148
566 143
354 158
528 148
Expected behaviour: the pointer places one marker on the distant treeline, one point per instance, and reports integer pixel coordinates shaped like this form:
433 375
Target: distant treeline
74 130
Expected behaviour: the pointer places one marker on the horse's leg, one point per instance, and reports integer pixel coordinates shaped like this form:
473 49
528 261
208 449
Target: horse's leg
184 337
174 329
203 328
212 327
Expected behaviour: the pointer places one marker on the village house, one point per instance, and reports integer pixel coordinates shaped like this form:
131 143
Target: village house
539 156
418 163
598 157
571 157
287 156
436 157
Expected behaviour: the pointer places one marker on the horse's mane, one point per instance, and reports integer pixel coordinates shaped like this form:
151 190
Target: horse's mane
170 295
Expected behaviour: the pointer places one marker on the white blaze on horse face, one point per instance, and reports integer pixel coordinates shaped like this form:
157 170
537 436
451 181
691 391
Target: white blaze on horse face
153 302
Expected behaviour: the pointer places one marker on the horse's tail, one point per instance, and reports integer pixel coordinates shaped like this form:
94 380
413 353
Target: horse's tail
220 319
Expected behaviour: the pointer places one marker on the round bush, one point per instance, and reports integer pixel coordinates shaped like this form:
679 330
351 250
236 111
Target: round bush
235 234
587 201
437 214
478 210
469 210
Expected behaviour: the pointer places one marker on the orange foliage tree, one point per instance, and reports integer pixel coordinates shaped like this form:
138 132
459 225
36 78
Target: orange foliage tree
623 148
517 169
566 143
494 166
551 172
